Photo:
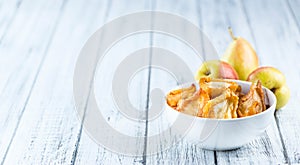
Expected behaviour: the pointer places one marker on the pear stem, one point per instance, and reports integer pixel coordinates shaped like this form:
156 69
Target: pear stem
231 33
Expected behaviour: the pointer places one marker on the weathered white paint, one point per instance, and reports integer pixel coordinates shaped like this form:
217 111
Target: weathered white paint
23 48
39 45
217 17
277 36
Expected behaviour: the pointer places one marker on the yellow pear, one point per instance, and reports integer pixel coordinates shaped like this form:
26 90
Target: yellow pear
241 56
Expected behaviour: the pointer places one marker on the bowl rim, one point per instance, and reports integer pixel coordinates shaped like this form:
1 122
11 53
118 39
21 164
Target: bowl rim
271 108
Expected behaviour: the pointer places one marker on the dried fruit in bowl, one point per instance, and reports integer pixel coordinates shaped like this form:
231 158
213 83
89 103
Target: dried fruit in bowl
253 102
174 96
218 98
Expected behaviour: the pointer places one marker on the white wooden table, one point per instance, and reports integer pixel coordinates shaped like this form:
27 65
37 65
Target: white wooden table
39 44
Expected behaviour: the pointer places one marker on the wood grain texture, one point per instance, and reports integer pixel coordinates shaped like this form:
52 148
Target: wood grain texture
39 46
47 132
8 11
217 17
277 39
22 56
89 152
293 8
182 152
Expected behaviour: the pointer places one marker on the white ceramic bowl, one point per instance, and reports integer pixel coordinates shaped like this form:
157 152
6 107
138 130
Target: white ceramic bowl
223 134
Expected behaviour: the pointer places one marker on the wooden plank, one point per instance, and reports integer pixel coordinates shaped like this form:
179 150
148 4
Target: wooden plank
293 7
182 152
51 136
218 17
89 152
47 132
22 53
277 37
8 11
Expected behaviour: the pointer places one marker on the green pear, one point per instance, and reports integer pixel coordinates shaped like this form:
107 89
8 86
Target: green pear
241 56
274 80
283 95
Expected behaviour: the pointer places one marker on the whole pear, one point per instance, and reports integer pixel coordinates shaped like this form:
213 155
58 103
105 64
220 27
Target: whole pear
216 69
274 80
241 56
283 95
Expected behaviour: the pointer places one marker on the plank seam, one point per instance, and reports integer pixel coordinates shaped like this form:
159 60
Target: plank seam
200 23
215 158
248 22
35 78
144 161
286 158
198 8
293 14
74 155
18 4
277 125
